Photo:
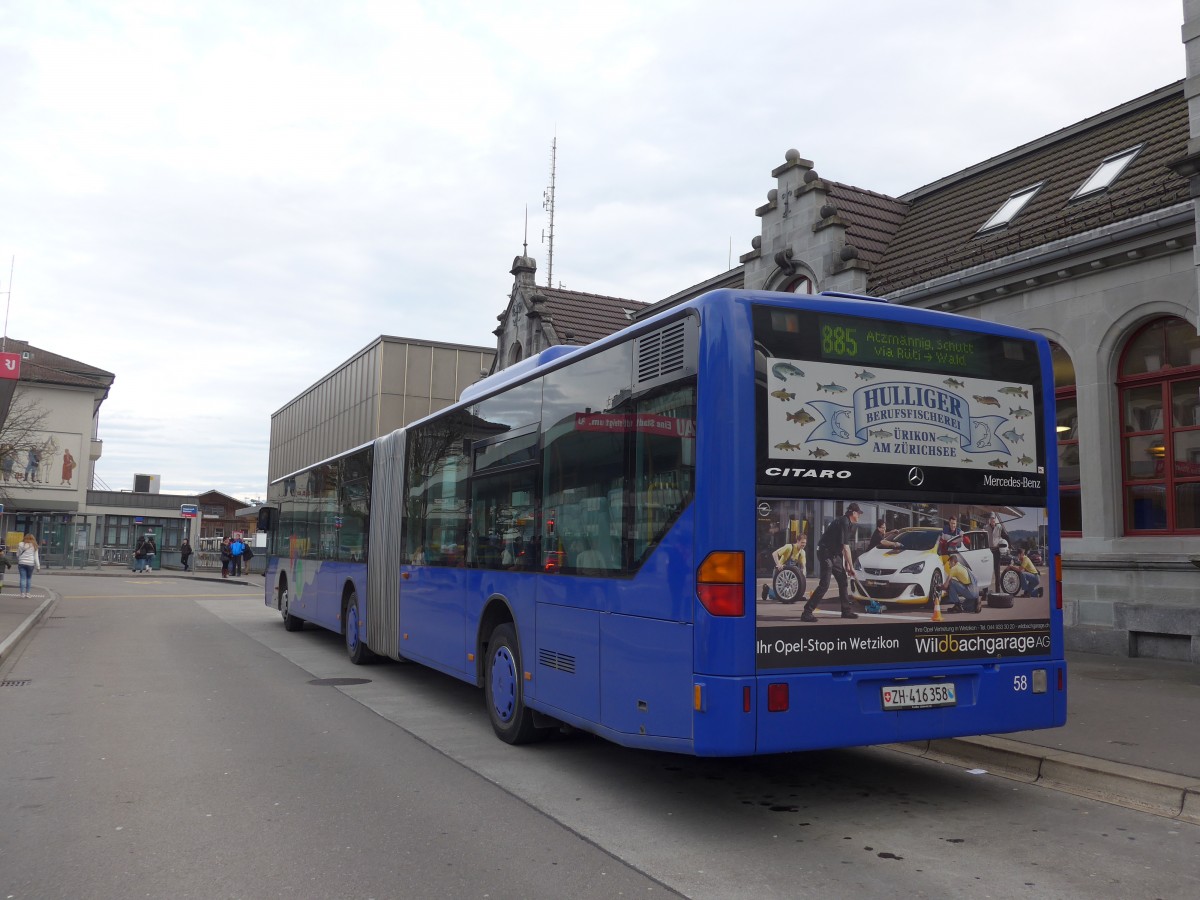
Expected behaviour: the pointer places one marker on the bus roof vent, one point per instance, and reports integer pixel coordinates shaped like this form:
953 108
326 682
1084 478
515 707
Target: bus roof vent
668 353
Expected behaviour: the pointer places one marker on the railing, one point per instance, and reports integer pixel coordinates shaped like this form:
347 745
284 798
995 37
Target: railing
106 557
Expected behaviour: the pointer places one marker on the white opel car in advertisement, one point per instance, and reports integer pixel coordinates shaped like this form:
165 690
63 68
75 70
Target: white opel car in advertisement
914 573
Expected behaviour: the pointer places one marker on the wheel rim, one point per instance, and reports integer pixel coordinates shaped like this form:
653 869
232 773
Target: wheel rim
787 585
504 684
935 586
283 602
352 628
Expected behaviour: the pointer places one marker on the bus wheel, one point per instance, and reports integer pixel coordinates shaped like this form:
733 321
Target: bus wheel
505 691
356 647
935 587
290 622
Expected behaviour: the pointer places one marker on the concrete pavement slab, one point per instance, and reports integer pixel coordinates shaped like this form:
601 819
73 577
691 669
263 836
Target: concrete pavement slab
1130 738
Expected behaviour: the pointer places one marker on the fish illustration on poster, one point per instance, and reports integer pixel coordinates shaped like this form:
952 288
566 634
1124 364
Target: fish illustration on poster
835 413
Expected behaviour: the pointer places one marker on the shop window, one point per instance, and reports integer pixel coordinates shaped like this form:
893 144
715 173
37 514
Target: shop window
1159 394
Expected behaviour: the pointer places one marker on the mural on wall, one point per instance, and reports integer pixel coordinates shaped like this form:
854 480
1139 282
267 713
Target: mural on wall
50 461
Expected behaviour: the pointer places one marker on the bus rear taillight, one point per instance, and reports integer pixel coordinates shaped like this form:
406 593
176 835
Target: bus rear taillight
777 698
721 583
1058 580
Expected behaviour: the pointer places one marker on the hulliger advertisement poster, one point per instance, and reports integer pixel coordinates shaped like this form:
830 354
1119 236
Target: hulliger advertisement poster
828 413
935 582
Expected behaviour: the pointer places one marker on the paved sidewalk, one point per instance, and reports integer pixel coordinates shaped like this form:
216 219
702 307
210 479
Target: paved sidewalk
19 615
1133 725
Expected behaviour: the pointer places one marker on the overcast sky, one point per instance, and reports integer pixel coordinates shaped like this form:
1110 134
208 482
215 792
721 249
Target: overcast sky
220 202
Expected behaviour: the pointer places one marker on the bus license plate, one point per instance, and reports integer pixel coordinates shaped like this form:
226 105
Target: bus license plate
918 696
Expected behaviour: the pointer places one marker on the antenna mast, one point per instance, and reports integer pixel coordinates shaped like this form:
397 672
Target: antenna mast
548 205
8 303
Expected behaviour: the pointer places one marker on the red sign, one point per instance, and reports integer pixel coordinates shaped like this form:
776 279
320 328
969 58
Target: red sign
10 365
647 423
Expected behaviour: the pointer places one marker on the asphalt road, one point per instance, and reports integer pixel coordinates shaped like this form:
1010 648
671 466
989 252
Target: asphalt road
169 743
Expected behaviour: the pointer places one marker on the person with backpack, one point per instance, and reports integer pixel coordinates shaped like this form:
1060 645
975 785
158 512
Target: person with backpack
247 555
236 550
148 550
226 558
139 555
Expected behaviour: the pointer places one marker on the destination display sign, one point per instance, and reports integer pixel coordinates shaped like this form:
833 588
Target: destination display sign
894 344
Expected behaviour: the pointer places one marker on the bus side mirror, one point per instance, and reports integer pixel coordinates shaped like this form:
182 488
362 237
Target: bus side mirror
268 518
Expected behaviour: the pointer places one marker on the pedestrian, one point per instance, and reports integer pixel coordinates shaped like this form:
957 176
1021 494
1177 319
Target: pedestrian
27 562
236 549
247 555
4 565
139 555
962 588
226 558
185 554
149 549
833 553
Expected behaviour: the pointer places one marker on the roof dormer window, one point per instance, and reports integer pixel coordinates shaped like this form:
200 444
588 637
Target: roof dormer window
1107 172
1011 207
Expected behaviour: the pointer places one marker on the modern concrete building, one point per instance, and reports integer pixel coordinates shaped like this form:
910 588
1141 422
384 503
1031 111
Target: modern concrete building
389 383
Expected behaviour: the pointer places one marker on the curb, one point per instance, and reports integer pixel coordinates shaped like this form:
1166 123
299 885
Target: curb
1148 790
24 628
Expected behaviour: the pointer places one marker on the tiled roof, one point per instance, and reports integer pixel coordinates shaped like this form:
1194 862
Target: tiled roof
588 317
939 235
874 219
45 367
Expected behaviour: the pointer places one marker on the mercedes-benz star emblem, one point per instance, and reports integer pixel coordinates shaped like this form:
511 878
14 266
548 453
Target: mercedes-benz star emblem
916 476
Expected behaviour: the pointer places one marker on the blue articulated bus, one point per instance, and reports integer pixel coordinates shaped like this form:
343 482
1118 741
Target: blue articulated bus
629 538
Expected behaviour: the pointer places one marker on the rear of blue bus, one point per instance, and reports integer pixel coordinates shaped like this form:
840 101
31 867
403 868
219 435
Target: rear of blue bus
923 446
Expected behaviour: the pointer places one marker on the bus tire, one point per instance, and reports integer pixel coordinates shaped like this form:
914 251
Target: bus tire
356 648
1000 601
504 688
290 622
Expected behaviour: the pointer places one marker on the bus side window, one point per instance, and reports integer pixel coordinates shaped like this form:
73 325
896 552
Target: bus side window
435 496
586 427
664 463
502 521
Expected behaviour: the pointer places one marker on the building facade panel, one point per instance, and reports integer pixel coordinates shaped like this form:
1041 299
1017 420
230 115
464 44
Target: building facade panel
388 384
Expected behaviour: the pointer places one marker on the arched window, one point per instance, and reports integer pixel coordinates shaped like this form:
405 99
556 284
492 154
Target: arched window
1158 384
1067 427
515 354
801 284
